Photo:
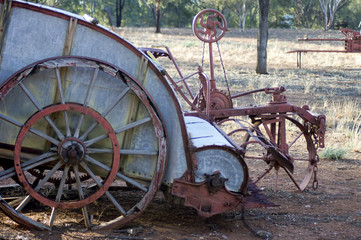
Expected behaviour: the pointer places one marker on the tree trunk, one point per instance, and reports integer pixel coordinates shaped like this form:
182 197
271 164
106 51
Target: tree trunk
262 37
119 11
109 15
157 18
118 18
244 15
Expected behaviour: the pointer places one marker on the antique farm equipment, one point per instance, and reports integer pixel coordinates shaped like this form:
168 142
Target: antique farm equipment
91 123
279 148
352 44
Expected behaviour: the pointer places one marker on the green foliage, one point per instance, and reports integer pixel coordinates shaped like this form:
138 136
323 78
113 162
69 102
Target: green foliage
175 13
333 153
349 16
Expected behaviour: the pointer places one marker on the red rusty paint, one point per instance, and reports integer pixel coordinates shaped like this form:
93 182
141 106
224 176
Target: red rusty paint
206 202
215 106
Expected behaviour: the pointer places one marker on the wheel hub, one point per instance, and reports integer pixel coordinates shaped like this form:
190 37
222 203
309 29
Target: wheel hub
71 151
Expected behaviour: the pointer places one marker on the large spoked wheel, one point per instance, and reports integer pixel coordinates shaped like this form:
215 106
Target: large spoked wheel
79 134
209 25
274 144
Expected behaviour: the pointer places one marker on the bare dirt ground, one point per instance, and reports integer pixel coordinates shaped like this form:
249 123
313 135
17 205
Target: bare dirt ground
333 211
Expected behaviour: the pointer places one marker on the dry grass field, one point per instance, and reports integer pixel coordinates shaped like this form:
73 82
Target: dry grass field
328 83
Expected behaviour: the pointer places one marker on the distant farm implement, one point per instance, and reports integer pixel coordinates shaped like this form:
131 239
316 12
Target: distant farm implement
352 44
92 126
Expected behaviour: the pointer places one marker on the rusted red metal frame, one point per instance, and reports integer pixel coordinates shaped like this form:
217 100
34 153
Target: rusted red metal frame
299 54
283 108
276 112
279 105
200 195
349 40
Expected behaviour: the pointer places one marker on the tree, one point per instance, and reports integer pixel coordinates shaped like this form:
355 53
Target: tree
303 11
329 9
262 37
240 8
156 7
253 12
117 7
118 11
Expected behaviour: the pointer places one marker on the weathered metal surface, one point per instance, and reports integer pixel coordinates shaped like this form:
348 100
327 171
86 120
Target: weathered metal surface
204 200
214 153
201 133
23 47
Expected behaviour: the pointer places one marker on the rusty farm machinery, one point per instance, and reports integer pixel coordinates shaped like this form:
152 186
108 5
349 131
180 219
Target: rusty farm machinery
90 123
352 44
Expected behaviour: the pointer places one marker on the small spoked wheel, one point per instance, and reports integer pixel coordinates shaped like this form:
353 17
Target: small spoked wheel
278 144
85 141
209 25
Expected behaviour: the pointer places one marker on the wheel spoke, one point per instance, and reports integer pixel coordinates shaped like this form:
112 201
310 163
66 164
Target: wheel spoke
125 128
62 183
36 132
99 150
105 113
115 203
121 176
133 125
56 129
86 133
91 86
60 88
124 151
46 137
120 97
138 152
111 198
86 101
39 160
58 195
77 130
23 203
48 175
41 183
296 138
10 120
37 105
81 197
30 96
52 216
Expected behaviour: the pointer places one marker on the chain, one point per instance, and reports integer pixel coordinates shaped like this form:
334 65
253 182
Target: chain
317 158
224 70
203 54
315 169
200 95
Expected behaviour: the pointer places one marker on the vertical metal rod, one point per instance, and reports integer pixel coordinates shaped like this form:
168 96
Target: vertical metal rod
299 60
211 67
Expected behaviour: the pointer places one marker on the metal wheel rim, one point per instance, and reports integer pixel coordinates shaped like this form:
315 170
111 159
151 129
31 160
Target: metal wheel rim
154 118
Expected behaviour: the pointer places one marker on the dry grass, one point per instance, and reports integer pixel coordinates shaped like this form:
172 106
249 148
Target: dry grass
328 82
